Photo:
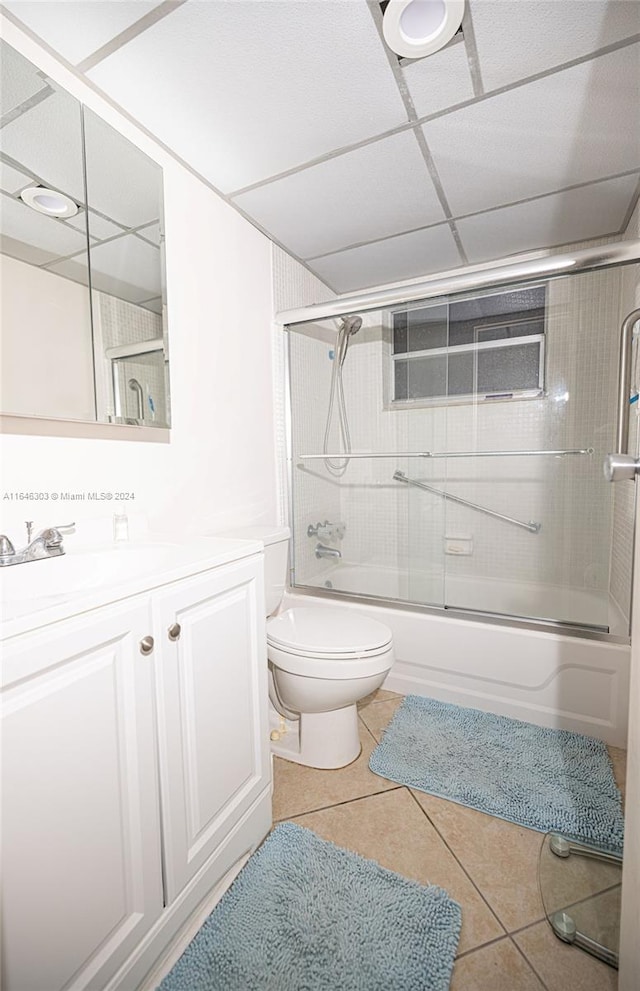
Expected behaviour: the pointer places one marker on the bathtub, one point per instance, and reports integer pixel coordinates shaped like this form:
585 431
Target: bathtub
527 600
543 676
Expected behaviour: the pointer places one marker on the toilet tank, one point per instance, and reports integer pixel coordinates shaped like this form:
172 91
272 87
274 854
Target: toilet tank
276 555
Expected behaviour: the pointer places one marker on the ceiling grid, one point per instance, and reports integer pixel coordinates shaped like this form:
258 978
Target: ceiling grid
527 123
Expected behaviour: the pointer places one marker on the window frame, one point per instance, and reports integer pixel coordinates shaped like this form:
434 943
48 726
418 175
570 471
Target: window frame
506 395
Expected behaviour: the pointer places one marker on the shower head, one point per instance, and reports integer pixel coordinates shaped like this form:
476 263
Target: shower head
348 325
351 324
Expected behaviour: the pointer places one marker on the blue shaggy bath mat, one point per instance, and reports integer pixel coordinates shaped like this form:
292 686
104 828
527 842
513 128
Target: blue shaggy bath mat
546 779
305 915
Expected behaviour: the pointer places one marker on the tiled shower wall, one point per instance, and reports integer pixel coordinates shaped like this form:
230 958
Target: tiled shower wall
117 321
624 492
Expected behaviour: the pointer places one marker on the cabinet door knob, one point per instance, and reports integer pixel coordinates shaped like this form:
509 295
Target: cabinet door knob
146 645
175 631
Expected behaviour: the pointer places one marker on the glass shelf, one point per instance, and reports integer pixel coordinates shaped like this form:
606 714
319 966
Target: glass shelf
580 887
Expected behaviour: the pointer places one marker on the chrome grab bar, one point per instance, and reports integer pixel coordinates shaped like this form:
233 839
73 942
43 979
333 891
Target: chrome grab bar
624 381
531 526
449 454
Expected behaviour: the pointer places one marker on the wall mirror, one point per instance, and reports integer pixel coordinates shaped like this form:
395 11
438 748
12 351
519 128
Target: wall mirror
82 261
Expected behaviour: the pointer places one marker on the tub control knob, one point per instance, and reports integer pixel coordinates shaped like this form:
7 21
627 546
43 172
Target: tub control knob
146 645
174 631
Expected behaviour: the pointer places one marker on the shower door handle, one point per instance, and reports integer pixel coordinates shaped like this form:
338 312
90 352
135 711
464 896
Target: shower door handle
618 467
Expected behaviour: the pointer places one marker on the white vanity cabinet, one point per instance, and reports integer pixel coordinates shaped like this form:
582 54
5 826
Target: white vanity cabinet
212 711
82 880
132 779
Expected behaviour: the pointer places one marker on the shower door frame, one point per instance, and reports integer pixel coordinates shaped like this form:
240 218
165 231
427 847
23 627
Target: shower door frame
516 273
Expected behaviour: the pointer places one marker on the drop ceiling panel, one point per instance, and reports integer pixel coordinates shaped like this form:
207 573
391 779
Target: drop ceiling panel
575 215
516 40
243 91
404 257
99 228
135 200
11 180
129 260
439 81
78 29
367 194
47 140
20 80
71 268
151 234
25 225
571 127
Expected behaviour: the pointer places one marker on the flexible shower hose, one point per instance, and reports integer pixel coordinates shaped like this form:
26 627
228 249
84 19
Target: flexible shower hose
338 468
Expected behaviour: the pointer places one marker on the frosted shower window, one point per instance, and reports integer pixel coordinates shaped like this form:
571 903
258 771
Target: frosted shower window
490 346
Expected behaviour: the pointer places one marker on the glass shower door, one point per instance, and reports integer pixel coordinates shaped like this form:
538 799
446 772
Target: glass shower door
526 450
357 529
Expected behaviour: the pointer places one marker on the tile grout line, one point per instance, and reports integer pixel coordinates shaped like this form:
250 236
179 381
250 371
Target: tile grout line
594 895
458 861
528 962
370 732
337 805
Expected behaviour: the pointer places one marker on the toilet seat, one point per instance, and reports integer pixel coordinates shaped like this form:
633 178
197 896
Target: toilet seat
329 644
331 633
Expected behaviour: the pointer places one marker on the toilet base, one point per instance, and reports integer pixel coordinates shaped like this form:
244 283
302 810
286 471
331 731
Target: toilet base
325 740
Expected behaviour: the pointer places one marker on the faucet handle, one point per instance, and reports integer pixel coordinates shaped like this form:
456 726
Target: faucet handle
52 536
6 547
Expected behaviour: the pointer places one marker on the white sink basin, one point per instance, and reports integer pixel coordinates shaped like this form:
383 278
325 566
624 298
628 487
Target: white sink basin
84 570
39 592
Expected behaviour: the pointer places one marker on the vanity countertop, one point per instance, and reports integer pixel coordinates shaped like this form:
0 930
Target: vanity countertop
35 594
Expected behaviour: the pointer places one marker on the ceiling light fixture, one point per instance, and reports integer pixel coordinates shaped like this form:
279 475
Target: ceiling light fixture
49 201
415 28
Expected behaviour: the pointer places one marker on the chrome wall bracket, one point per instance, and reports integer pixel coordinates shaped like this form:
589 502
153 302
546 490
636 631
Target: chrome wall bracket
621 467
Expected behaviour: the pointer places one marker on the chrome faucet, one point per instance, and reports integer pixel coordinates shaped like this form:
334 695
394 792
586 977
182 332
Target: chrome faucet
329 552
48 543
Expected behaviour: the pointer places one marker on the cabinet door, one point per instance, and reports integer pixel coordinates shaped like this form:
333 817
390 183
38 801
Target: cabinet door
212 711
82 867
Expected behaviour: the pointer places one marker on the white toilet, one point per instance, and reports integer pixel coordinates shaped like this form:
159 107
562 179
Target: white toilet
322 661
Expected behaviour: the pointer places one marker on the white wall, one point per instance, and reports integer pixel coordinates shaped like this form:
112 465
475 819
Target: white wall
47 359
219 467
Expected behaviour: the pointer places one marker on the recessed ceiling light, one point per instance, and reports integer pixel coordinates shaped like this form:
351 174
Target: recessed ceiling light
49 201
415 28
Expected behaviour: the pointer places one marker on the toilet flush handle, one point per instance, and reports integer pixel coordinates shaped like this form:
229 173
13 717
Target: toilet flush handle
174 631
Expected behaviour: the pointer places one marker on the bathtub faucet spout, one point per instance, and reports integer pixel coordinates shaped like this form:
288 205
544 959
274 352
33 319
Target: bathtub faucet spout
329 552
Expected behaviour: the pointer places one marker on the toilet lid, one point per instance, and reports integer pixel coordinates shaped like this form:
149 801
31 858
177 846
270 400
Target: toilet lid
326 631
